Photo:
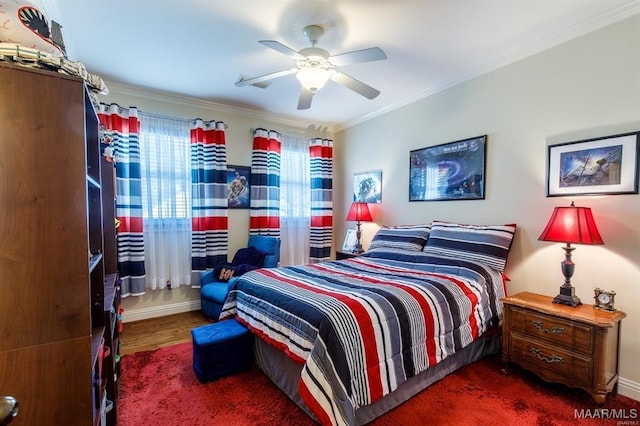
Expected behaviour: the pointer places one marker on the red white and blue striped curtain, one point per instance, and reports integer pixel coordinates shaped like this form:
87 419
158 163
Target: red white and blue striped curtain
209 221
123 126
321 231
265 183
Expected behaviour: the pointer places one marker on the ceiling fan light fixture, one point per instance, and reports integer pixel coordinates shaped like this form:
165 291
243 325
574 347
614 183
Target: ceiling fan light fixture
313 78
314 66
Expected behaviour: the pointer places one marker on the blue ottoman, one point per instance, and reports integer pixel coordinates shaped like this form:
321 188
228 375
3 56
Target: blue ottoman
221 349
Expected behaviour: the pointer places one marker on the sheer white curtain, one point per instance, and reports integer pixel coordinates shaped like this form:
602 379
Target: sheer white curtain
166 197
295 200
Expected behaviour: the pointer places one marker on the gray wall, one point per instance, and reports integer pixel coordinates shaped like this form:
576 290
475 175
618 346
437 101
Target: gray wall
585 88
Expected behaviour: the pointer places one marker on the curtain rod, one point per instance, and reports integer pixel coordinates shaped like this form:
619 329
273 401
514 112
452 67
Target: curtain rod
253 130
168 117
293 132
188 120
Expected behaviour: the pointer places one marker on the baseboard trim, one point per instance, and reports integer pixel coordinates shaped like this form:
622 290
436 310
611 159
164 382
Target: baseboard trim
629 388
159 311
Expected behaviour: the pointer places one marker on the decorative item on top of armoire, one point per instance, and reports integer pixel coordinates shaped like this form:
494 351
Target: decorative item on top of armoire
367 187
28 38
451 171
359 212
570 225
25 24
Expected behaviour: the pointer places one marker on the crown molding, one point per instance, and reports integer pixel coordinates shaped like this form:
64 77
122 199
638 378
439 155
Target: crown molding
592 24
154 95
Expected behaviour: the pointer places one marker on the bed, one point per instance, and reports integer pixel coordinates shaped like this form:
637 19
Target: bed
349 340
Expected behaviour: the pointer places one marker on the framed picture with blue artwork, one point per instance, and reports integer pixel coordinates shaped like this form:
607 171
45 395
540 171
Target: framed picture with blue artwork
451 171
367 187
606 165
238 189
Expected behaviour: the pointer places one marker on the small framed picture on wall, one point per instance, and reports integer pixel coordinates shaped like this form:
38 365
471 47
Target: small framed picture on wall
607 165
367 187
238 190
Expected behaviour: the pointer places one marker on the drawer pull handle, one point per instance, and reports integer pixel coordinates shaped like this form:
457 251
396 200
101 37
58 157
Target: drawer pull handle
551 359
554 328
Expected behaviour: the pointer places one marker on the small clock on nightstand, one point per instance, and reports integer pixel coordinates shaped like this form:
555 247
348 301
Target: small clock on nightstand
604 299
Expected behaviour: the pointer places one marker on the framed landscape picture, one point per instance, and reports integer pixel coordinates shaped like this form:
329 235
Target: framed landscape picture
238 190
607 165
451 171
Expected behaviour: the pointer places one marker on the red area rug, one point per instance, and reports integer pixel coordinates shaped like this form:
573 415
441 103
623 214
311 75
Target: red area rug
159 388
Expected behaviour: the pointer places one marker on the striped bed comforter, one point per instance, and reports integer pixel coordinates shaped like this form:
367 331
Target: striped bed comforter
362 326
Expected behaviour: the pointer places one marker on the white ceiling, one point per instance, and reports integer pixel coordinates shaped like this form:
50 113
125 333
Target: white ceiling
199 48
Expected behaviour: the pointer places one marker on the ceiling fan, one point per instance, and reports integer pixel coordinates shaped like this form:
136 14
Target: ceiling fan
314 66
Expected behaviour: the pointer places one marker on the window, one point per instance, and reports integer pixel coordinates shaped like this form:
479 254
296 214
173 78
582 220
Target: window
295 200
165 163
295 192
165 167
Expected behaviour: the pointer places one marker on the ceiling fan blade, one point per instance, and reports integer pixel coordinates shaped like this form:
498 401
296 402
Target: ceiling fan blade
276 45
306 96
247 81
364 55
355 85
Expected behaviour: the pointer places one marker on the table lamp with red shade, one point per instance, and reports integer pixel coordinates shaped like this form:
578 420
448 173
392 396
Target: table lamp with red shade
570 225
359 212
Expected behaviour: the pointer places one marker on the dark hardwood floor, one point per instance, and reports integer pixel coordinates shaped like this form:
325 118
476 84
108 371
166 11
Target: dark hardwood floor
154 333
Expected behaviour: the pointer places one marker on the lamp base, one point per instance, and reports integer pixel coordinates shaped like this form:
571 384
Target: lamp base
567 296
358 248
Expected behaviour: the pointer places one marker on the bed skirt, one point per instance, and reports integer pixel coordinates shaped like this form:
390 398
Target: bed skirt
285 373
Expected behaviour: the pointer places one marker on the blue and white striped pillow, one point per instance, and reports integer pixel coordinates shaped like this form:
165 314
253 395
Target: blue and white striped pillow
405 237
488 244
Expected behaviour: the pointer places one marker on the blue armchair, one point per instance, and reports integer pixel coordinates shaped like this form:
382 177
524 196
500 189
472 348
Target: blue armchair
213 293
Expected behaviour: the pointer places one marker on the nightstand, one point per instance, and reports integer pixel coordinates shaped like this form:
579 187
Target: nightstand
574 346
341 255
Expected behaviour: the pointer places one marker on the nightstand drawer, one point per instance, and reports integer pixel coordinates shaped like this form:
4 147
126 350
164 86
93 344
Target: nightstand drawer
574 336
547 360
